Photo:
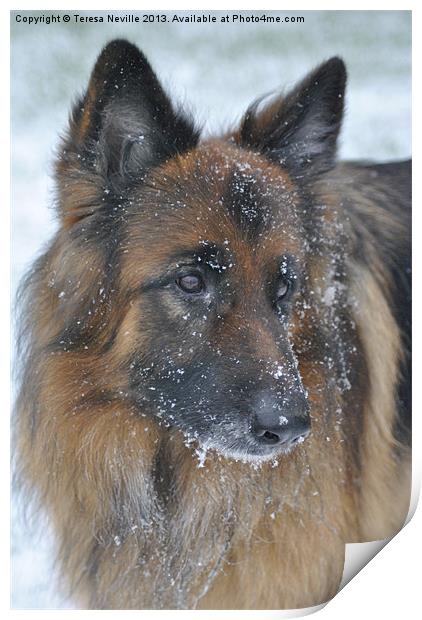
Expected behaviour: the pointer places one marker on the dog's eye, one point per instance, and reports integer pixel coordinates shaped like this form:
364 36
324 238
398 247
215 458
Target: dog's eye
191 283
282 290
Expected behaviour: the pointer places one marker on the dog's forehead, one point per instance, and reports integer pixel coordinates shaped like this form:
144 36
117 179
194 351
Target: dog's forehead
219 180
221 195
243 181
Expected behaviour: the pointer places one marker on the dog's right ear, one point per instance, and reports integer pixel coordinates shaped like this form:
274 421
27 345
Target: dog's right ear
122 126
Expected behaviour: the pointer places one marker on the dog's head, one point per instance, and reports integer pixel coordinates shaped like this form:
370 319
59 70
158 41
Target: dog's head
199 258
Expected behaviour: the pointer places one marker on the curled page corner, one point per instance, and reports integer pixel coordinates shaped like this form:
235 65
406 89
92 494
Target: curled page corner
307 611
414 496
357 556
266 614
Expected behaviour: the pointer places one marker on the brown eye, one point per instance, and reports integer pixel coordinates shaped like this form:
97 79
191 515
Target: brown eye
282 290
192 283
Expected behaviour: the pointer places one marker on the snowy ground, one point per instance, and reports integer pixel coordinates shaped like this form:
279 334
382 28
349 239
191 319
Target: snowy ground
219 69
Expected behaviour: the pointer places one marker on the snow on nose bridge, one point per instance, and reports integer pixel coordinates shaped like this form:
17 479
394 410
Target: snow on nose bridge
251 347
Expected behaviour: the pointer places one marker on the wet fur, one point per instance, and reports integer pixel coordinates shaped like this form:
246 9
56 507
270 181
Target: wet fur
141 521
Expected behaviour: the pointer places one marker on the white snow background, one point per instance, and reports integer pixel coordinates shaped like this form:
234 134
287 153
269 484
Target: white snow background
218 69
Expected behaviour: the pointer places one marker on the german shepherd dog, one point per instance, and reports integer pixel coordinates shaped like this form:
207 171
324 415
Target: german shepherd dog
215 390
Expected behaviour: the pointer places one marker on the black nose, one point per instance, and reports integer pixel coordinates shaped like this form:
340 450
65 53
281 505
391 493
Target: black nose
272 425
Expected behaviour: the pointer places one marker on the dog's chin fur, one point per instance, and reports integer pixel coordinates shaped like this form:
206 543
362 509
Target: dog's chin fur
252 454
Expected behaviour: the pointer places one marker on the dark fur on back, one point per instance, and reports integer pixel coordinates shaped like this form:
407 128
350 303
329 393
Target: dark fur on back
215 347
389 187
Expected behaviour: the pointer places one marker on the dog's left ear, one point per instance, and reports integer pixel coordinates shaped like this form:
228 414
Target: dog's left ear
300 130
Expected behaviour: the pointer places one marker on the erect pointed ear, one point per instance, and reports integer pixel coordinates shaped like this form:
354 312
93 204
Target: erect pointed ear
124 123
300 130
